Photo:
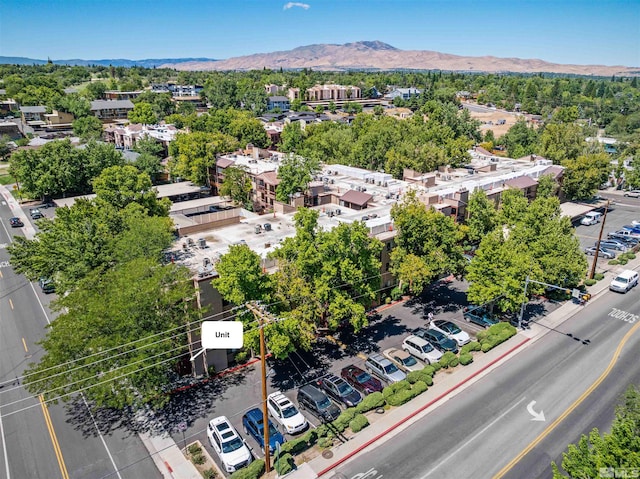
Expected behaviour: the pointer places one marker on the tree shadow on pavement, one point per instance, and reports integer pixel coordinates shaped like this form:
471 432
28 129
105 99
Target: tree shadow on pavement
366 340
440 297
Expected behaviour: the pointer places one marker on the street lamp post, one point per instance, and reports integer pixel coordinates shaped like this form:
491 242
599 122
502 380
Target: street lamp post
595 256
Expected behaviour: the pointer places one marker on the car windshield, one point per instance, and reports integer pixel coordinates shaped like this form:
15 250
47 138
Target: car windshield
344 389
621 279
324 404
363 377
232 445
453 329
438 335
409 361
390 368
427 348
289 411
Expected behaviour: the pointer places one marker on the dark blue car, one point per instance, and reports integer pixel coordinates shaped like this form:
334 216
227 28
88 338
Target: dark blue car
253 425
480 316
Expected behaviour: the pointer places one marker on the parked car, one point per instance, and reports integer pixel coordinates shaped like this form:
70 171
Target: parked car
479 316
624 281
613 244
317 402
403 359
383 368
16 222
35 214
48 204
421 349
46 285
632 193
285 413
626 235
253 424
602 253
632 228
635 222
438 339
340 390
451 331
361 380
228 445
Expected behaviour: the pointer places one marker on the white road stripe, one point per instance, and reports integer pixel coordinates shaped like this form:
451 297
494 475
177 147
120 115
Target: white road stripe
101 437
4 449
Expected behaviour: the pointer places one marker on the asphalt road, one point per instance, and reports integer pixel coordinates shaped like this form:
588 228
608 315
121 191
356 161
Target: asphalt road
58 440
479 431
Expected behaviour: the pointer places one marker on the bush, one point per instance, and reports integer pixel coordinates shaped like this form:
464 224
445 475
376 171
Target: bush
394 388
466 358
194 449
496 334
454 362
252 471
400 397
429 369
621 261
446 359
614 262
325 442
358 423
396 293
436 366
209 474
629 255
481 335
589 282
422 375
300 444
598 276
344 419
387 300
285 464
198 459
418 388
371 402
241 357
472 346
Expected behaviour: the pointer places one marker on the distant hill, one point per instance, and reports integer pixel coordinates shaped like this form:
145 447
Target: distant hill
116 62
376 55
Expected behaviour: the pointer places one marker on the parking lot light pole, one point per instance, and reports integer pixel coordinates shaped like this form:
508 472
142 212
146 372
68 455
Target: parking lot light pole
595 256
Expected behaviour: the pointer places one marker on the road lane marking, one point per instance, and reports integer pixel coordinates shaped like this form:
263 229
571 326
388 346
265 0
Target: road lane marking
24 344
1 276
10 303
4 450
54 439
101 437
473 438
571 408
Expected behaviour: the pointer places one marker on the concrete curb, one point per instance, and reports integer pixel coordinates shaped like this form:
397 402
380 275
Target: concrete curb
422 408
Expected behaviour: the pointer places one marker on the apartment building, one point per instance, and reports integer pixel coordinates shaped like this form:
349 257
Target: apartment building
126 137
111 110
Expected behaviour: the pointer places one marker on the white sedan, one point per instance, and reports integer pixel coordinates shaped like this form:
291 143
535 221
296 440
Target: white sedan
451 331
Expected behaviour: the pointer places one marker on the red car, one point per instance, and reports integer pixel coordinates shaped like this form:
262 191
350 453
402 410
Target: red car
361 380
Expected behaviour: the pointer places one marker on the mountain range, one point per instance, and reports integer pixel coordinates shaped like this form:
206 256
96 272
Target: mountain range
364 55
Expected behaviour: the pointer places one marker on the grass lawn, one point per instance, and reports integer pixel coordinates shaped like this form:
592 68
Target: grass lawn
6 179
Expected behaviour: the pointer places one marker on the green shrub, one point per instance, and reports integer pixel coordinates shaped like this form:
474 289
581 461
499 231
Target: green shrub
472 346
487 347
322 430
344 419
358 423
481 335
396 293
589 282
252 471
285 464
198 458
429 369
194 448
454 362
300 444
621 261
496 334
400 397
614 261
466 358
371 402
446 359
241 357
325 442
598 276
209 474
392 389
436 366
418 388
387 300
629 255
422 375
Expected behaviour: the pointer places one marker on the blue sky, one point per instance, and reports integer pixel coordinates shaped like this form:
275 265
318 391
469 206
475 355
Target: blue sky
564 31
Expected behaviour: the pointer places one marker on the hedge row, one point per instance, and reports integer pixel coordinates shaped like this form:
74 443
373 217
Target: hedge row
472 346
494 335
425 375
466 358
358 423
252 471
370 402
285 464
404 395
447 358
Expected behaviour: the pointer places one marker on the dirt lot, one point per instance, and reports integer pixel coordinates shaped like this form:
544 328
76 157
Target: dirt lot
494 117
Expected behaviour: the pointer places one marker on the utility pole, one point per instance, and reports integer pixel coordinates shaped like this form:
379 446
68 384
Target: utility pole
595 256
524 302
263 318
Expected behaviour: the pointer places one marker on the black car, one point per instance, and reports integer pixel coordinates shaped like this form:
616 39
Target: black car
46 285
480 316
437 339
317 402
16 222
340 390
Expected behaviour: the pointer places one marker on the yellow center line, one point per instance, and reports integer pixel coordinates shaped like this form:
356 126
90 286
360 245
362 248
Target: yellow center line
24 344
1 274
10 303
54 439
571 408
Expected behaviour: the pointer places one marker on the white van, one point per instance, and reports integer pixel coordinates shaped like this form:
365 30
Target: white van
591 218
624 281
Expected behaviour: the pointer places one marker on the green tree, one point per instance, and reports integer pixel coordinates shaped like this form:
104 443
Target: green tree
104 313
547 187
87 128
482 215
237 186
292 137
560 142
513 205
75 104
193 154
150 165
241 278
295 173
143 113
584 175
148 144
618 449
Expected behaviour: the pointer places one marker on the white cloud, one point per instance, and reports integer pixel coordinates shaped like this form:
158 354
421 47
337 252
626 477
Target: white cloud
289 5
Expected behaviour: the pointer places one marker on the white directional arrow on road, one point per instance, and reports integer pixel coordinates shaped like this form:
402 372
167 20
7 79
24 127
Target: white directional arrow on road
537 416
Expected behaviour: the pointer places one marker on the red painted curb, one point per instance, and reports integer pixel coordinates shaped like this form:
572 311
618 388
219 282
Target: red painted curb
414 413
